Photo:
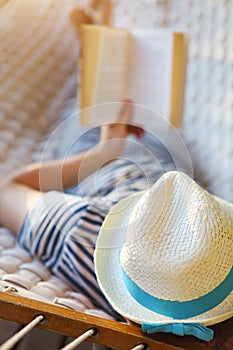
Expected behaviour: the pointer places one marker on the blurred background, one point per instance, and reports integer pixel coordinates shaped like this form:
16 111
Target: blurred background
38 84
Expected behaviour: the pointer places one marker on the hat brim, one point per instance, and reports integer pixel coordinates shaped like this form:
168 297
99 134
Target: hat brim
108 271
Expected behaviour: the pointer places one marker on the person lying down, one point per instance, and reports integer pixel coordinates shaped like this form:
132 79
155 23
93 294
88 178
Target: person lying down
128 229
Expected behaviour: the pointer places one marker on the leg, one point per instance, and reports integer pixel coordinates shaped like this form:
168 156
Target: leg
15 200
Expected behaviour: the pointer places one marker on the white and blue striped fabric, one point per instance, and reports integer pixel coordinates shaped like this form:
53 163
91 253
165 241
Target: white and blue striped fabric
62 228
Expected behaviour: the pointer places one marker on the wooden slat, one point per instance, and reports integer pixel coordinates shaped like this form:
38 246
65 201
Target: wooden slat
72 323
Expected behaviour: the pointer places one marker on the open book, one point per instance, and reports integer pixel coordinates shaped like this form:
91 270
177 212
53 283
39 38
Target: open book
147 66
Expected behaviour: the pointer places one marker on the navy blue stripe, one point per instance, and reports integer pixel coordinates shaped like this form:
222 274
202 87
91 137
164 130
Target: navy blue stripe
43 232
28 225
59 233
66 219
58 236
90 230
98 214
23 241
78 258
89 288
82 207
109 190
91 221
79 238
54 256
51 263
74 281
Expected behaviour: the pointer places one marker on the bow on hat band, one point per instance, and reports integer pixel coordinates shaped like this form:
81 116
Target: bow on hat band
195 329
176 309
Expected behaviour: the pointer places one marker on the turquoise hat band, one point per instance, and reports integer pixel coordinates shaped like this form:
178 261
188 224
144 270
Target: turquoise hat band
180 310
197 330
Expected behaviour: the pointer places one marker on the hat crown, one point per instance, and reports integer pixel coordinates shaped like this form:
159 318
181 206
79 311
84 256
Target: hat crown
179 241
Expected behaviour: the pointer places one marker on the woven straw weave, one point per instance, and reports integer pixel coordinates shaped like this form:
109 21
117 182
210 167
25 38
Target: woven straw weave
38 59
191 234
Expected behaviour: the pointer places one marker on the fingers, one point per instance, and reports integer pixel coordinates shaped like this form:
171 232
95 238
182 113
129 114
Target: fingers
79 17
136 130
124 120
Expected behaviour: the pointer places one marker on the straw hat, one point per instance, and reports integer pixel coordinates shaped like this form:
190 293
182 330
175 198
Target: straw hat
164 257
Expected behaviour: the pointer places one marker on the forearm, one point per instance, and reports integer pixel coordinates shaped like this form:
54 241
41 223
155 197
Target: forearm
50 175
63 173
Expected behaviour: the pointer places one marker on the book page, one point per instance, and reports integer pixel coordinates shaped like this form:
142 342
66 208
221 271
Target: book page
112 72
151 69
